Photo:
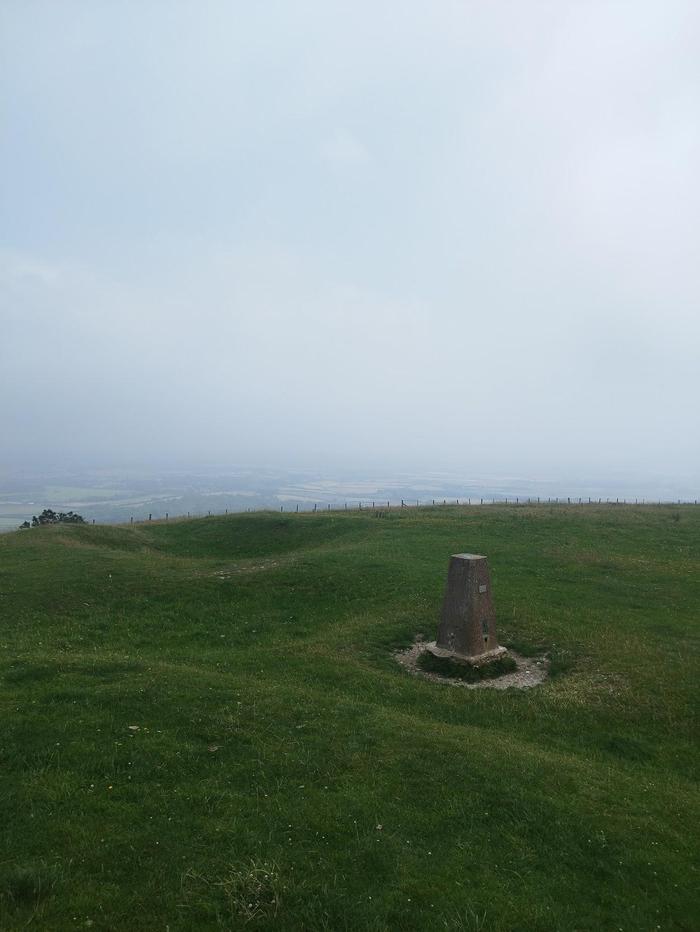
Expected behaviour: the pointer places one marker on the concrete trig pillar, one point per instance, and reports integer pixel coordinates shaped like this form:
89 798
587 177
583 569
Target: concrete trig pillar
467 628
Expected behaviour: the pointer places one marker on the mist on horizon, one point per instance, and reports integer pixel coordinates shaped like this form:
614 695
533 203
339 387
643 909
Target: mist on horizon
455 237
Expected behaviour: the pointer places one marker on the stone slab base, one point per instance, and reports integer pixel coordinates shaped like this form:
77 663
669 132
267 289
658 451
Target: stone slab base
478 660
531 671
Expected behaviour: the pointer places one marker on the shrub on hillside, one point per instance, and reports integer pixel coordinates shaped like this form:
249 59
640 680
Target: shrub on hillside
48 516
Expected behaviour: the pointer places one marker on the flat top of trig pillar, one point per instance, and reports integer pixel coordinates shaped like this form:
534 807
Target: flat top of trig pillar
468 556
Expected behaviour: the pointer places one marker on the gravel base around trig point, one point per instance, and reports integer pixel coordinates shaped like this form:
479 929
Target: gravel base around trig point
531 670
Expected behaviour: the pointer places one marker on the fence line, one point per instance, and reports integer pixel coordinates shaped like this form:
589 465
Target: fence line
377 506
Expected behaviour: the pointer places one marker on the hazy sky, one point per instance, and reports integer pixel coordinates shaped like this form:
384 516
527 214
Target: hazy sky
459 235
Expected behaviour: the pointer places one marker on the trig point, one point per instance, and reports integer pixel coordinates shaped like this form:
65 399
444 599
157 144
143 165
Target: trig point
467 630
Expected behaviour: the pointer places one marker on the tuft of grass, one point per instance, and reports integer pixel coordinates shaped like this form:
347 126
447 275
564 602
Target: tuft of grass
468 920
560 662
453 669
242 894
24 886
523 647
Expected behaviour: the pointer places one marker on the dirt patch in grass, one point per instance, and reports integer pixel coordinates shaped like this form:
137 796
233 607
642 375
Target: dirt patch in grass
239 568
529 671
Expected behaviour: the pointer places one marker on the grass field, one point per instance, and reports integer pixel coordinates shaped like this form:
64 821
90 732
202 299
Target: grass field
203 726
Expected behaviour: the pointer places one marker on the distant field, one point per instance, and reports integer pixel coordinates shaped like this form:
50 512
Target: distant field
204 727
12 515
9 522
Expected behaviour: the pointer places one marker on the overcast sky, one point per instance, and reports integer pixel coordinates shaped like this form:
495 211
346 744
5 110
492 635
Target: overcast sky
432 235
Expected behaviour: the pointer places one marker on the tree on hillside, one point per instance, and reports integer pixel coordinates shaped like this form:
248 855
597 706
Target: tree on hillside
49 516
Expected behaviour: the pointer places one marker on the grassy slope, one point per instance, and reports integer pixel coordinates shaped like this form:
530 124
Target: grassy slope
570 806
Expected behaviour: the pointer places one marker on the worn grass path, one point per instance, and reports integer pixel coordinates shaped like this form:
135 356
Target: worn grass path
203 726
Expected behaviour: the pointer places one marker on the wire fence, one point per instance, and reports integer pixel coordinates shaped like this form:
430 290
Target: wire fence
377 506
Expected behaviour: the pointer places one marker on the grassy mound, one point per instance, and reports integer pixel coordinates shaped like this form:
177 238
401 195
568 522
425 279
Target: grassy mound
204 726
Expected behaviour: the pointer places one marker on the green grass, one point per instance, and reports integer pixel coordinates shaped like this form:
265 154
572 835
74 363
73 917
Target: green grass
283 772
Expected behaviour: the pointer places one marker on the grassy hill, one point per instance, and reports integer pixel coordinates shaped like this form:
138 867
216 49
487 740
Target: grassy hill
203 725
